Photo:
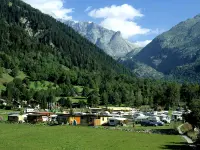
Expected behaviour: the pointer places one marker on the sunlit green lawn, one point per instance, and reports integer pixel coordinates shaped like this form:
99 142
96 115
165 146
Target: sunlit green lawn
23 137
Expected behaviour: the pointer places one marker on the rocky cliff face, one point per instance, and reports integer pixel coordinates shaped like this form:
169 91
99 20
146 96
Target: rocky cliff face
141 69
109 41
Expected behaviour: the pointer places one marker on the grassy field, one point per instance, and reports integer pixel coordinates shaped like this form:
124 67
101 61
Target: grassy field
5 116
172 125
23 137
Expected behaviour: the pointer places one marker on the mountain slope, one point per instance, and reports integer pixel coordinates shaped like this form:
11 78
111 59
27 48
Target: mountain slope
35 42
133 53
140 69
177 47
111 42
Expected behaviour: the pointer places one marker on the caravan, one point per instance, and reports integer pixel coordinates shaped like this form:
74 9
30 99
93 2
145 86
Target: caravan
117 121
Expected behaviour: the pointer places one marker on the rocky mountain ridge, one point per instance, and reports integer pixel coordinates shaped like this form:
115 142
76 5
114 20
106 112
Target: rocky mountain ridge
112 43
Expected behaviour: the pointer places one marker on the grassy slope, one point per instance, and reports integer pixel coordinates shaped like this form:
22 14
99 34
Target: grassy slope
21 137
21 75
77 99
37 85
79 89
5 78
74 99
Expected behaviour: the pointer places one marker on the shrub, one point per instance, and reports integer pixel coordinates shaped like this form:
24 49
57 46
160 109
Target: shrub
1 118
186 128
2 106
192 134
8 107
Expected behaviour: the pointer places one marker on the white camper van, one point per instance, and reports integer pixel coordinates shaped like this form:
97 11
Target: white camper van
116 121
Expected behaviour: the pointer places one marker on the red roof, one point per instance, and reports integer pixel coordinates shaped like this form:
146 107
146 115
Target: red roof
44 113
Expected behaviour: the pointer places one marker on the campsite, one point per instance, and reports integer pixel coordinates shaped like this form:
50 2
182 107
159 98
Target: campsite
86 130
99 74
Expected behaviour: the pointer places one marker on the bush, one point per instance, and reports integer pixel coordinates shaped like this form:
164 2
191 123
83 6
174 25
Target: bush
14 72
193 135
186 128
2 106
198 138
16 109
8 107
1 118
145 108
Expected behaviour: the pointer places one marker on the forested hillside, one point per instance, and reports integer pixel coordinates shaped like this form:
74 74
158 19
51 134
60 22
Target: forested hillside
43 61
176 52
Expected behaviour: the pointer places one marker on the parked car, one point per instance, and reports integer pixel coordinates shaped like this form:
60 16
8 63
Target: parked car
151 123
147 123
159 123
140 118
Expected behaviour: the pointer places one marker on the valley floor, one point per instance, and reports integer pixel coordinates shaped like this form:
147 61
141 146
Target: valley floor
24 136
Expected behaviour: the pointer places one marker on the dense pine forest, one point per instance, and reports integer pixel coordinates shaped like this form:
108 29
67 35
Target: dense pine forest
45 50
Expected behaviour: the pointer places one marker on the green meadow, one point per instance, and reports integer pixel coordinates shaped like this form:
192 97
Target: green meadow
32 137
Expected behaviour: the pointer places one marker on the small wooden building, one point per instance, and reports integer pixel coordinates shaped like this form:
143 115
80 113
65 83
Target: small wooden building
86 119
101 120
62 118
34 118
94 120
15 118
44 113
74 120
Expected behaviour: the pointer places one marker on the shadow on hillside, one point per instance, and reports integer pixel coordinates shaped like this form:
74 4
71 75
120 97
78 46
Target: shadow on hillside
177 146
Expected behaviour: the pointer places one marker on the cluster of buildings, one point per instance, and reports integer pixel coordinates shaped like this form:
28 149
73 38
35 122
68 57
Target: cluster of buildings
96 117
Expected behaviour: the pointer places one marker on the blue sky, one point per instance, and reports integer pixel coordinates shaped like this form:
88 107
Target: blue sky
138 20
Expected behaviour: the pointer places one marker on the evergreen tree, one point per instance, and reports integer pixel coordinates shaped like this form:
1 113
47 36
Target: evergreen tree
104 99
93 99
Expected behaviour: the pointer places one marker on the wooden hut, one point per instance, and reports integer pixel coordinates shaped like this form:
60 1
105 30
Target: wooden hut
34 118
15 118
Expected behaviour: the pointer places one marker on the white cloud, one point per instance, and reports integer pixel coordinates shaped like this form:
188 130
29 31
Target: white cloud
142 43
88 8
120 18
127 28
157 31
54 8
123 12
